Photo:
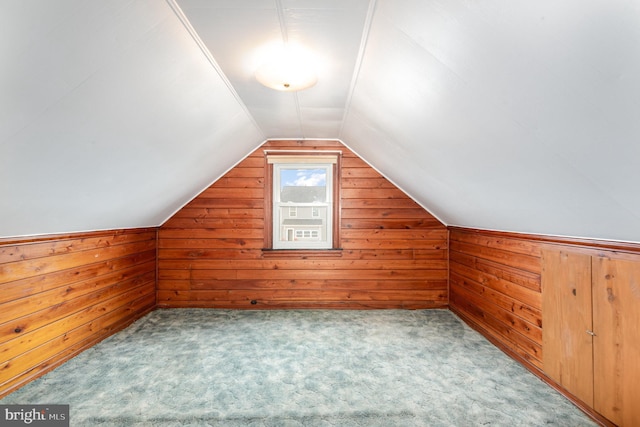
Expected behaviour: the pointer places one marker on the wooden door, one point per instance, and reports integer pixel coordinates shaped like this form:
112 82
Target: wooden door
567 353
616 299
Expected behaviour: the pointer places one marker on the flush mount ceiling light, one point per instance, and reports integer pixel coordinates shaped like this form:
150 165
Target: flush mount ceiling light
287 68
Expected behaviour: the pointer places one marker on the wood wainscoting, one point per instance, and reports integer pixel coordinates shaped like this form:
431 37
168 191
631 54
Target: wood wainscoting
393 252
499 287
495 284
59 295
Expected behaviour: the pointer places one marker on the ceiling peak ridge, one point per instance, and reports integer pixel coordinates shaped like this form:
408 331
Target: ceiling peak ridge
205 51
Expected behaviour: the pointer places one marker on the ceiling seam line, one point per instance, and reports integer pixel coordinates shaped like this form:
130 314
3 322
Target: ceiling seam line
283 27
285 40
356 69
299 113
207 54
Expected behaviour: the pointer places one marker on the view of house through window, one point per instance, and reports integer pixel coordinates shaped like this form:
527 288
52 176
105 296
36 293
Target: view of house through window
302 203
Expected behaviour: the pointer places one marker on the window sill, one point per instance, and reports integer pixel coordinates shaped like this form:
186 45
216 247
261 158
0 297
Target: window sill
302 253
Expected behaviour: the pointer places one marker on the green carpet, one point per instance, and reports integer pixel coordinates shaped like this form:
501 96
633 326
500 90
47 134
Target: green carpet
202 367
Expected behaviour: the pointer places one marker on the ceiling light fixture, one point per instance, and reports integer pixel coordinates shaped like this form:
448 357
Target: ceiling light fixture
289 68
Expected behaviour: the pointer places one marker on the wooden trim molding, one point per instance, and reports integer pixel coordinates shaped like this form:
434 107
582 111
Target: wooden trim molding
533 369
268 199
301 253
64 236
591 244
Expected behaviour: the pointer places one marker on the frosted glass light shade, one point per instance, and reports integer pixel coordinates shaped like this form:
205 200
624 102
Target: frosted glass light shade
287 71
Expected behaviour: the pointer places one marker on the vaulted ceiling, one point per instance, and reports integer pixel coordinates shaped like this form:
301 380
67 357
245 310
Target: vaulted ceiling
504 114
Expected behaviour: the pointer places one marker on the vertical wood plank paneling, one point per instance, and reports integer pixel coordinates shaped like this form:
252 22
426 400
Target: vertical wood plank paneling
394 253
616 318
61 294
567 313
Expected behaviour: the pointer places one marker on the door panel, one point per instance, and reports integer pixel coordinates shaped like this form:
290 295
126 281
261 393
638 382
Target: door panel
616 293
567 348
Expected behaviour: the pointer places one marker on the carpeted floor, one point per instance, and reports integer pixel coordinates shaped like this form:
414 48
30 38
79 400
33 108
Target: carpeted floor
202 367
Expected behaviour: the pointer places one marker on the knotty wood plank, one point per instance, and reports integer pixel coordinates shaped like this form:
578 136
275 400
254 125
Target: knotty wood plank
422 274
222 212
530 314
222 203
405 203
34 285
35 302
34 352
361 285
34 267
301 264
291 295
566 310
388 244
513 290
507 317
231 193
211 233
245 172
185 243
22 252
377 182
396 234
206 253
520 246
373 193
354 162
390 213
215 223
508 273
616 318
389 224
333 305
240 182
513 259
348 172
28 341
15 327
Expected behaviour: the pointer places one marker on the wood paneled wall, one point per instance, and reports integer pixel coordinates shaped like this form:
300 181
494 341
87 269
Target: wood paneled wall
495 286
60 295
394 252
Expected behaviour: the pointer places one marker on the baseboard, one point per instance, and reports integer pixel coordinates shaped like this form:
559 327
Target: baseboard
533 369
60 358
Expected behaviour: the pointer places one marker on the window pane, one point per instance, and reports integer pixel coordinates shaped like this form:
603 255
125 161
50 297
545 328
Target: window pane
299 185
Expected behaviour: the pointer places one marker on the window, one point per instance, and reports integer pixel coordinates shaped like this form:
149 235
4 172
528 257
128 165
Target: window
302 189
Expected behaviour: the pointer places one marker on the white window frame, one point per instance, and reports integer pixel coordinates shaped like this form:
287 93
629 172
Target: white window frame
325 162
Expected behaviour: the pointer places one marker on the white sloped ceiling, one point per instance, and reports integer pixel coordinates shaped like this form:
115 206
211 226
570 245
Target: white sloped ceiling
509 115
505 114
111 116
